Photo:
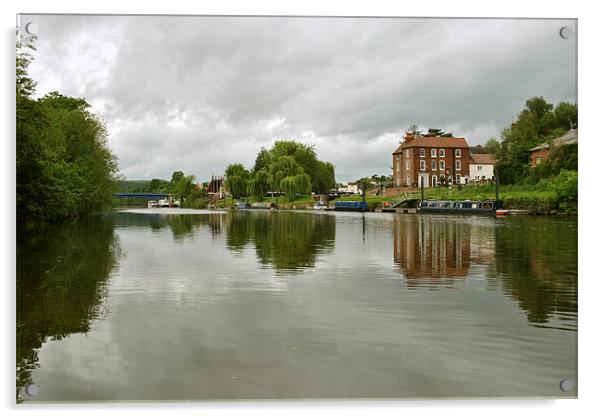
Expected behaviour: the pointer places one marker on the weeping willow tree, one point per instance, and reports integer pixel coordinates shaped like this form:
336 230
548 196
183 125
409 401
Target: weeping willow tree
237 186
289 160
282 168
294 185
259 184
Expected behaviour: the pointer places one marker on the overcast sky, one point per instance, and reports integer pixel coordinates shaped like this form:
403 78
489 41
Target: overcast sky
197 93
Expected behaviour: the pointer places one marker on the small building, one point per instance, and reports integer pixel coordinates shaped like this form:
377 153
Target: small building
481 167
427 159
541 152
351 188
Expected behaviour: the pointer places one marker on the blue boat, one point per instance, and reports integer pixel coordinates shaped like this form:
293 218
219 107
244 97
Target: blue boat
351 205
464 206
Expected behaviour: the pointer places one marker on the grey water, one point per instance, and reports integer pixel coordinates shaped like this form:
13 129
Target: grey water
145 305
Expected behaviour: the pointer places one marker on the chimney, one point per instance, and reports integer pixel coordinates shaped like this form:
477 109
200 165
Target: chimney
408 137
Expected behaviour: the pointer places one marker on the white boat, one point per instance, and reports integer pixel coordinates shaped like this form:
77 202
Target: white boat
163 203
152 204
320 206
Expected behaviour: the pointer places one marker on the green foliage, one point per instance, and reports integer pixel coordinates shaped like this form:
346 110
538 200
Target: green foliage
237 178
176 176
64 166
285 159
493 147
438 133
538 122
25 85
259 184
183 187
61 280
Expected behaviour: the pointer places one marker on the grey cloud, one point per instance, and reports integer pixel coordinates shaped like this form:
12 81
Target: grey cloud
196 93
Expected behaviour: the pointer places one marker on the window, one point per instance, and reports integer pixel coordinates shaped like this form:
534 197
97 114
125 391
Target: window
397 157
407 165
433 153
479 167
458 153
398 165
441 164
434 163
457 179
422 152
458 165
538 160
422 165
408 153
441 152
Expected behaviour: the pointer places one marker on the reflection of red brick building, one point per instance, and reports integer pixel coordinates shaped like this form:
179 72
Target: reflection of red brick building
430 158
430 248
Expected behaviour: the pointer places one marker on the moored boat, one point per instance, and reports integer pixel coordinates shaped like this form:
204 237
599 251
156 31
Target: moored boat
464 206
351 205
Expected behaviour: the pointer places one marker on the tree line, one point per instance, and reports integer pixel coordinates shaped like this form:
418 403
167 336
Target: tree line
538 122
289 167
64 166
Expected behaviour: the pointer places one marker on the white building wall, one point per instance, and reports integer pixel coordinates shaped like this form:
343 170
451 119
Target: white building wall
480 172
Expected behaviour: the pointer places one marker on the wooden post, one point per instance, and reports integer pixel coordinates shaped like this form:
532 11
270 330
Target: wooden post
497 187
421 187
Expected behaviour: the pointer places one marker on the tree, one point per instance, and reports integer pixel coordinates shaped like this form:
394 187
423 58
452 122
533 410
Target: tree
492 146
176 176
285 159
413 129
364 184
538 122
260 184
183 187
437 132
236 180
64 166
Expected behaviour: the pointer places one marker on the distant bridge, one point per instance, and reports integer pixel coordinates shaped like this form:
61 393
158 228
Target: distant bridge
149 196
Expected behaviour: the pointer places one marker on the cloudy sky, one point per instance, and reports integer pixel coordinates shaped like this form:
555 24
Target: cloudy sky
197 93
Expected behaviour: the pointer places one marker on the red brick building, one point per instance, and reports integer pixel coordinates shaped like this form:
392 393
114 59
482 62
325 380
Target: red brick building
541 152
430 158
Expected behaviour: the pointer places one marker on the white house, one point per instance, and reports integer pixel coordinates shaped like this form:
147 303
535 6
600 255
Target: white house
481 167
349 188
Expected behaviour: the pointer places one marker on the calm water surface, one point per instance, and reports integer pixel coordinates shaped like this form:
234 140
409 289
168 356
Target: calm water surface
281 305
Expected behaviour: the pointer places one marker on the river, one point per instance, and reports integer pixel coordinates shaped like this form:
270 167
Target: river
169 305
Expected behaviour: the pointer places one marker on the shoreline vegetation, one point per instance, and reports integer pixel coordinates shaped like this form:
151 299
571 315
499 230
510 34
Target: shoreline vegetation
65 168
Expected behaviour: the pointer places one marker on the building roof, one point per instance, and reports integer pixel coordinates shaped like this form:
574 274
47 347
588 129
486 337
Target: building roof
568 138
432 142
482 159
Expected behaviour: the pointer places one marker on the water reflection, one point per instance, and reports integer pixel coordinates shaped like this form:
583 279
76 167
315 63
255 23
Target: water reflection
536 264
532 260
199 306
62 276
430 250
182 226
285 240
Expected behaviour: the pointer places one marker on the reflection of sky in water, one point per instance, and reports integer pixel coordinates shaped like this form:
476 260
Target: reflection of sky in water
199 309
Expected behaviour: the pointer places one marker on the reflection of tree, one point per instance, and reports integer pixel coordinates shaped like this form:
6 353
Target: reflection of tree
428 247
537 259
181 225
61 277
286 240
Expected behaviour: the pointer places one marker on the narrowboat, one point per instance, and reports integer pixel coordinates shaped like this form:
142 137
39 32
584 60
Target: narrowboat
464 206
350 205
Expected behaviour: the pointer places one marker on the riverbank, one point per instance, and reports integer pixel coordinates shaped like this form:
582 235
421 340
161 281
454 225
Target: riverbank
542 202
